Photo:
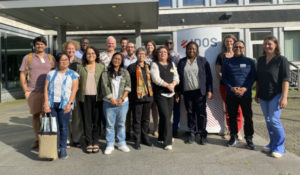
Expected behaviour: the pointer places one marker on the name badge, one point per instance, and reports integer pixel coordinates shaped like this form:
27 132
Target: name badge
243 65
42 60
171 70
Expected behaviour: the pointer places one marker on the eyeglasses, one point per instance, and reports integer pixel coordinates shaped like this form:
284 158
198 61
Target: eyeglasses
163 52
238 47
167 43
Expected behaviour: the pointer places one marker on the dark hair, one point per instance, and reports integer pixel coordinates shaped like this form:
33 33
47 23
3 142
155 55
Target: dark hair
110 68
153 43
155 56
82 39
123 38
40 39
59 55
241 41
275 40
229 36
85 61
188 45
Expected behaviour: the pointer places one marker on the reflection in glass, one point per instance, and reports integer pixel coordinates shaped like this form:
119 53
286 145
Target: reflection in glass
257 50
226 1
291 0
14 48
260 35
291 45
259 1
193 2
164 3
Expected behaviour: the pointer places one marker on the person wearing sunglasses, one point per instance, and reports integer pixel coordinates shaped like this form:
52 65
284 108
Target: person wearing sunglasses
238 74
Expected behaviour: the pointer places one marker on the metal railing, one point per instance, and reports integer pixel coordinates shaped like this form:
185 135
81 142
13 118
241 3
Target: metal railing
294 74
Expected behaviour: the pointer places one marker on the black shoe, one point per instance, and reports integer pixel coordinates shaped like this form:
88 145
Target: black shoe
137 146
175 134
203 141
232 142
147 141
250 144
190 140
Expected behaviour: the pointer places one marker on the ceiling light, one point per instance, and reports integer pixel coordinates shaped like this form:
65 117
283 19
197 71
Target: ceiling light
113 6
100 27
56 17
123 21
77 27
127 26
119 14
42 10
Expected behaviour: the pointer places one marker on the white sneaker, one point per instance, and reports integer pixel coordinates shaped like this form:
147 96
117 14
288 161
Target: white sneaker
266 149
109 150
276 155
124 148
169 148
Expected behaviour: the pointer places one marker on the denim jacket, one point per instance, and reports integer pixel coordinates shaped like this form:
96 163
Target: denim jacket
106 84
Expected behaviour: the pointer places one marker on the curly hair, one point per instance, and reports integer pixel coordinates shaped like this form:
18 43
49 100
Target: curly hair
75 44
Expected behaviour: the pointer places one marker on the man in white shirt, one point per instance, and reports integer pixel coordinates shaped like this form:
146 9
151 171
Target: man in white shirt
105 57
130 58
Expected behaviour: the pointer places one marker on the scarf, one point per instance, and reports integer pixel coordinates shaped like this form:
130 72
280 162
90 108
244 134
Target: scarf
141 87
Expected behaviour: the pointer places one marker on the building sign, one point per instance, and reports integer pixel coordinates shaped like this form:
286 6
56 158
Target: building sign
210 44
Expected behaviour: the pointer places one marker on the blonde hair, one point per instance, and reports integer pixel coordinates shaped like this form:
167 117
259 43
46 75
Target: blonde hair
75 44
224 49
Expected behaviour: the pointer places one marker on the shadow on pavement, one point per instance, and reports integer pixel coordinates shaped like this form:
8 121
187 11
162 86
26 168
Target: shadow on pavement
19 136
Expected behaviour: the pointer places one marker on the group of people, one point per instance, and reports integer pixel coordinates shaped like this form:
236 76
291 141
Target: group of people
92 93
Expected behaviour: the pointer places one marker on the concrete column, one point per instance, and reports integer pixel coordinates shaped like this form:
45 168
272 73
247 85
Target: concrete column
180 3
206 3
175 41
0 71
281 39
213 3
138 37
174 4
248 45
61 37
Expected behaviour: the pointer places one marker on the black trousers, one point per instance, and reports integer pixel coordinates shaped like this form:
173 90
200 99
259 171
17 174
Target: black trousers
233 103
141 119
102 120
195 105
165 109
90 110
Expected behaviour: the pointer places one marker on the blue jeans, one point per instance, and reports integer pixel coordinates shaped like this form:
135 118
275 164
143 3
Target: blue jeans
272 113
62 121
115 114
176 115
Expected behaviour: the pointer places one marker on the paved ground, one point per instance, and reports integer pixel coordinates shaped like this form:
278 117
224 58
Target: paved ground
215 158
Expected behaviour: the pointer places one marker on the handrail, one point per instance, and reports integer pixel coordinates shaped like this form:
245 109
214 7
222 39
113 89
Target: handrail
295 75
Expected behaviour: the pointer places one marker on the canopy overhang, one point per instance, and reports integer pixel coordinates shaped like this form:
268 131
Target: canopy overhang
87 15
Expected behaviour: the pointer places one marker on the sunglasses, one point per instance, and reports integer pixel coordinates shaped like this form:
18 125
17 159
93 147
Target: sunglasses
238 47
169 43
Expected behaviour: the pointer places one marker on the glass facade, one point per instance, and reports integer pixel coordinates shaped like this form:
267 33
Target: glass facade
165 3
13 49
193 2
226 2
291 0
260 1
291 45
99 41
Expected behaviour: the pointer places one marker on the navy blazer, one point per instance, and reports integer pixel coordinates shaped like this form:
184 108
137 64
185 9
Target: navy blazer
204 73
